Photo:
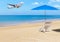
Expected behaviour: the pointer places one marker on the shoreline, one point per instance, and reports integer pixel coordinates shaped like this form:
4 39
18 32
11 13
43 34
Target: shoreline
26 22
39 22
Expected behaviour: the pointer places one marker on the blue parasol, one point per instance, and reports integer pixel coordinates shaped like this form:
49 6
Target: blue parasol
45 7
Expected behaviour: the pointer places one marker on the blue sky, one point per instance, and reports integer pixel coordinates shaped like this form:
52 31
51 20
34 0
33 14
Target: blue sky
25 9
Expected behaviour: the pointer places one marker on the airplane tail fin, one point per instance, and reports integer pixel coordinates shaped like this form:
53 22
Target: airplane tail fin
20 3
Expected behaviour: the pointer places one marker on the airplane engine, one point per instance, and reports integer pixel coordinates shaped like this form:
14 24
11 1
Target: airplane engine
10 7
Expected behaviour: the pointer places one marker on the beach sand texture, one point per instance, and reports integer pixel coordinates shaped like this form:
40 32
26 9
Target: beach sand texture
29 32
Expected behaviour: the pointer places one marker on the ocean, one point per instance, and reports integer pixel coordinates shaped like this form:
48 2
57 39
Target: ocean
15 19
22 18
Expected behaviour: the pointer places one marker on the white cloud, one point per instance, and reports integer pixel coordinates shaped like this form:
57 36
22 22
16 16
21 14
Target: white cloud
21 2
57 6
53 1
35 3
38 3
57 0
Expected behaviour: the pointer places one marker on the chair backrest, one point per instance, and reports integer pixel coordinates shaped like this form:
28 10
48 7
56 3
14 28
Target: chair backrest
47 24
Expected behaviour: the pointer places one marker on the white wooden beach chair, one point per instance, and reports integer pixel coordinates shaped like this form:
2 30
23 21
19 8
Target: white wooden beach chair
46 27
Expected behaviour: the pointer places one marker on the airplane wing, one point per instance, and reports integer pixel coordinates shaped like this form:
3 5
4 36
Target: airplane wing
11 5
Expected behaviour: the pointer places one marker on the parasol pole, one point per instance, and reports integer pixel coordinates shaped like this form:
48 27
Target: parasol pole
45 22
45 17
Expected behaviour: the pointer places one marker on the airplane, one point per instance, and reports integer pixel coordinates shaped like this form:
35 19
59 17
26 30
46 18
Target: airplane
10 6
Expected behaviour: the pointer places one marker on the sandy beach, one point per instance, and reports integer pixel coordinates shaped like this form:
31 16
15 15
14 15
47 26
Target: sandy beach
29 32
